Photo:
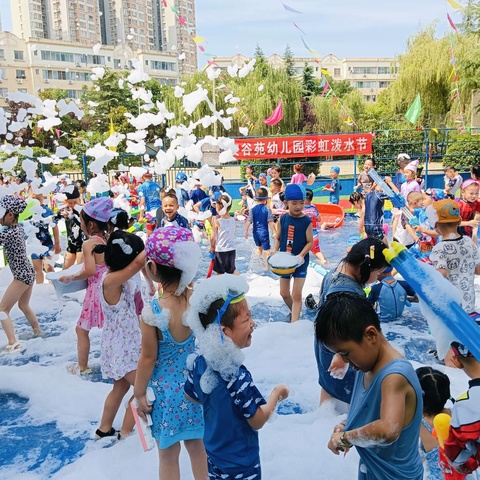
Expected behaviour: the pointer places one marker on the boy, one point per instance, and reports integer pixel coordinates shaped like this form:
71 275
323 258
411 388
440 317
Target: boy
41 260
261 217
453 181
222 239
462 447
278 206
170 209
233 407
149 196
455 257
294 235
403 159
180 192
311 211
469 209
385 413
335 186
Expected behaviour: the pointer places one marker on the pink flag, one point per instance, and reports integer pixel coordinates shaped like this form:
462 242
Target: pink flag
181 20
276 116
327 86
57 131
450 21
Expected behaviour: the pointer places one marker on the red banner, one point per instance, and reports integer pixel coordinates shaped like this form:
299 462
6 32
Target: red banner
304 146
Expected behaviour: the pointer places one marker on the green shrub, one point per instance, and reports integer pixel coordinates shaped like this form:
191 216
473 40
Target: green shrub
463 153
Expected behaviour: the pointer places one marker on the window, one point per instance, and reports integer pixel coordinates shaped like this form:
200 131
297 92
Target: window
383 84
384 70
157 65
117 63
3 92
365 84
2 53
22 90
336 72
364 70
18 54
20 74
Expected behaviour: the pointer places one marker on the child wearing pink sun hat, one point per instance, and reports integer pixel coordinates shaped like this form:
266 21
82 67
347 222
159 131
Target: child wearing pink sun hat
172 261
410 184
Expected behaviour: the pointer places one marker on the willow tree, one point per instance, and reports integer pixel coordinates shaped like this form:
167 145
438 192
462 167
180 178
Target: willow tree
424 68
329 118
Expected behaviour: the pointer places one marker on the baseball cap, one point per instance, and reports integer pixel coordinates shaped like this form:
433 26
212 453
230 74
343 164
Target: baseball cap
447 211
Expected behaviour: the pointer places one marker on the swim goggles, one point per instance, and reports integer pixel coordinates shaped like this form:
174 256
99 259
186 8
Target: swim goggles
231 297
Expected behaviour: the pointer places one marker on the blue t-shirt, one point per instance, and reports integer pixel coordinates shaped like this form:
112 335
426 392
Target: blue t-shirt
151 192
335 195
391 298
43 234
293 233
401 459
398 179
197 195
177 221
260 215
231 443
207 205
374 201
182 196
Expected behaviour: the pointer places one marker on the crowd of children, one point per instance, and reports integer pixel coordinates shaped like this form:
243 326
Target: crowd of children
214 407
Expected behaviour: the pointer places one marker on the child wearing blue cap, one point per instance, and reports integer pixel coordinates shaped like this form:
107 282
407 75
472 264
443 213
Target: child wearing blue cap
294 235
334 187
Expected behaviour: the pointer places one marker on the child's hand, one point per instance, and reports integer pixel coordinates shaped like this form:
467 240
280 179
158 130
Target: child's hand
65 279
143 406
340 427
473 223
281 391
335 444
338 368
246 234
57 248
151 289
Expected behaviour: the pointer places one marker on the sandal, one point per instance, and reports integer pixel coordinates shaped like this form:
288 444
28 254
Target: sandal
14 348
75 370
111 433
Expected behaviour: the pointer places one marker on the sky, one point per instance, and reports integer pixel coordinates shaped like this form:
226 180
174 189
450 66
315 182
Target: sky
346 28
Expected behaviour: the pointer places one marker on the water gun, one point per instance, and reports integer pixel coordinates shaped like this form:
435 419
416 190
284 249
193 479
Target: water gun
425 280
318 268
396 198
441 422
212 263
144 427
137 226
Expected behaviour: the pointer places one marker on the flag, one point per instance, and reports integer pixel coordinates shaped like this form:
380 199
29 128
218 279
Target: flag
276 115
450 21
290 9
415 109
455 5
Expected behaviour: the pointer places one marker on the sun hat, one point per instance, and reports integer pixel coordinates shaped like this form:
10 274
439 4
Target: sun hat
335 169
412 166
447 211
99 209
13 204
175 247
469 182
294 191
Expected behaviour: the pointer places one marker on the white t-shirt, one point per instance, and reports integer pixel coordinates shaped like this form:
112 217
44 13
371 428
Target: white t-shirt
458 257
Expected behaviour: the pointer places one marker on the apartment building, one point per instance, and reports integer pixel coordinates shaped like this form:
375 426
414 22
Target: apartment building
139 24
37 64
369 75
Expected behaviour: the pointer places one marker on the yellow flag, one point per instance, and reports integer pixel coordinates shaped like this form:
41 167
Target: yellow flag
325 71
198 40
455 5
111 131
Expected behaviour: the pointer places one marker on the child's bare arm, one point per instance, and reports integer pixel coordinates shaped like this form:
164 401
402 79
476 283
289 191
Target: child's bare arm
56 240
279 393
213 235
394 413
278 232
247 227
308 246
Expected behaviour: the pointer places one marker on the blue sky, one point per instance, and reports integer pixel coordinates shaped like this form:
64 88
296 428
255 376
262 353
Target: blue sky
346 28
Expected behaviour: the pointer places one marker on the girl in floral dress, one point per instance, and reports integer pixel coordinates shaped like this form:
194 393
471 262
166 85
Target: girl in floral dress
173 259
121 339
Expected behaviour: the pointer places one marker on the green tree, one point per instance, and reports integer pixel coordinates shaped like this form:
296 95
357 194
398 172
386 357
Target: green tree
309 83
340 87
261 64
470 19
288 59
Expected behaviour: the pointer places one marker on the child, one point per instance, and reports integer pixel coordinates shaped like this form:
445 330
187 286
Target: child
410 184
197 194
362 266
261 217
312 213
94 220
276 191
436 391
275 173
455 257
453 181
335 186
365 181
180 192
383 422
149 196
222 240
294 235
173 259
170 208
262 180
120 346
371 212
475 172
40 260
462 447
469 209
403 159
299 177
251 178
12 237
233 407
75 236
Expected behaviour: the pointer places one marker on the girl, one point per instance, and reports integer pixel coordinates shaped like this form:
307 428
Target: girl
436 391
299 176
365 181
234 408
275 173
120 346
222 240
360 267
410 184
94 220
173 259
12 237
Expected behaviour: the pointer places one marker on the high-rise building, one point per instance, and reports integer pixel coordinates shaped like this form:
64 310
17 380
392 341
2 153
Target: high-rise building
146 25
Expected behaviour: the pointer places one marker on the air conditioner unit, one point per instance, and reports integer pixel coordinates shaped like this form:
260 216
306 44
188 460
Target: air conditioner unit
1 80
70 82
46 80
78 65
19 80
